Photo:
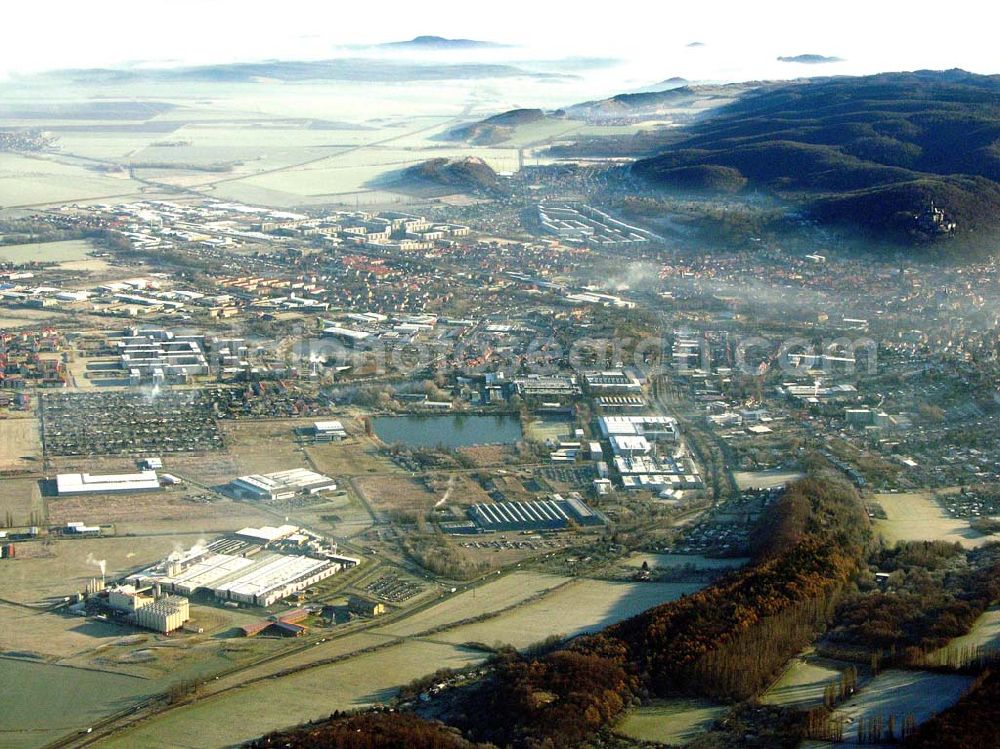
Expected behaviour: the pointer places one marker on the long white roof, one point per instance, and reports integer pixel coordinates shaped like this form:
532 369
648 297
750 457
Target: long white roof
78 483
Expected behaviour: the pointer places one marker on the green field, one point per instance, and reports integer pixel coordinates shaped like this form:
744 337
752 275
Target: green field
26 181
803 682
582 606
670 721
51 252
245 713
42 702
916 516
505 592
984 633
543 429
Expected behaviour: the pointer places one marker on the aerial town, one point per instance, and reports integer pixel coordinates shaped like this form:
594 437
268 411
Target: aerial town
321 421
622 423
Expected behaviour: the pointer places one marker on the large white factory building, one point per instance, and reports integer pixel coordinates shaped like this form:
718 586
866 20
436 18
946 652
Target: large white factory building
249 574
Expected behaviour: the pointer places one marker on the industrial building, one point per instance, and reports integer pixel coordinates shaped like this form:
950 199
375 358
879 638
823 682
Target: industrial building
68 484
266 534
617 382
328 431
561 388
346 335
163 615
146 608
260 580
630 445
283 625
254 567
546 514
651 427
281 485
365 607
619 403
578 222
77 528
160 356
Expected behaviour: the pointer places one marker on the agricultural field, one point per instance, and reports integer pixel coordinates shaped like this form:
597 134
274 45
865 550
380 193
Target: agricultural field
264 446
915 516
52 701
362 168
984 633
580 606
178 658
46 252
188 510
339 514
488 455
21 498
29 181
20 444
349 458
245 713
675 721
802 683
397 494
503 593
456 489
331 649
212 469
46 636
11 319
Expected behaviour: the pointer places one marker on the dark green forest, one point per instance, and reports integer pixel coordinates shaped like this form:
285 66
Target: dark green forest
871 152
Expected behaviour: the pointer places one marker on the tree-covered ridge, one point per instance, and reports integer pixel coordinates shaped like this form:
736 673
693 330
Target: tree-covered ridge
872 151
373 730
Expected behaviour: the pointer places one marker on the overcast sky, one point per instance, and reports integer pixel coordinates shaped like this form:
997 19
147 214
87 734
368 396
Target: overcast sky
742 38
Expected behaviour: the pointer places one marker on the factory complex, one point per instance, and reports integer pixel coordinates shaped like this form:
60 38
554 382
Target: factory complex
281 485
68 484
546 514
149 609
253 567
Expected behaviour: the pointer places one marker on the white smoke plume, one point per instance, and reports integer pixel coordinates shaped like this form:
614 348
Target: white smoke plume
101 563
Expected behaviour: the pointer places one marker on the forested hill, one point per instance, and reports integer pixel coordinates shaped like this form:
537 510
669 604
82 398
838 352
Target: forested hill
872 151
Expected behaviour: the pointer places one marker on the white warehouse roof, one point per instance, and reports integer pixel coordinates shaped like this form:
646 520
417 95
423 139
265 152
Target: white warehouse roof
85 483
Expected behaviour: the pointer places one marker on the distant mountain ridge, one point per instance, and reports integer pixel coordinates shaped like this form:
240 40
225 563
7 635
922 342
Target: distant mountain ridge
669 94
664 85
342 69
495 129
440 42
871 151
652 102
